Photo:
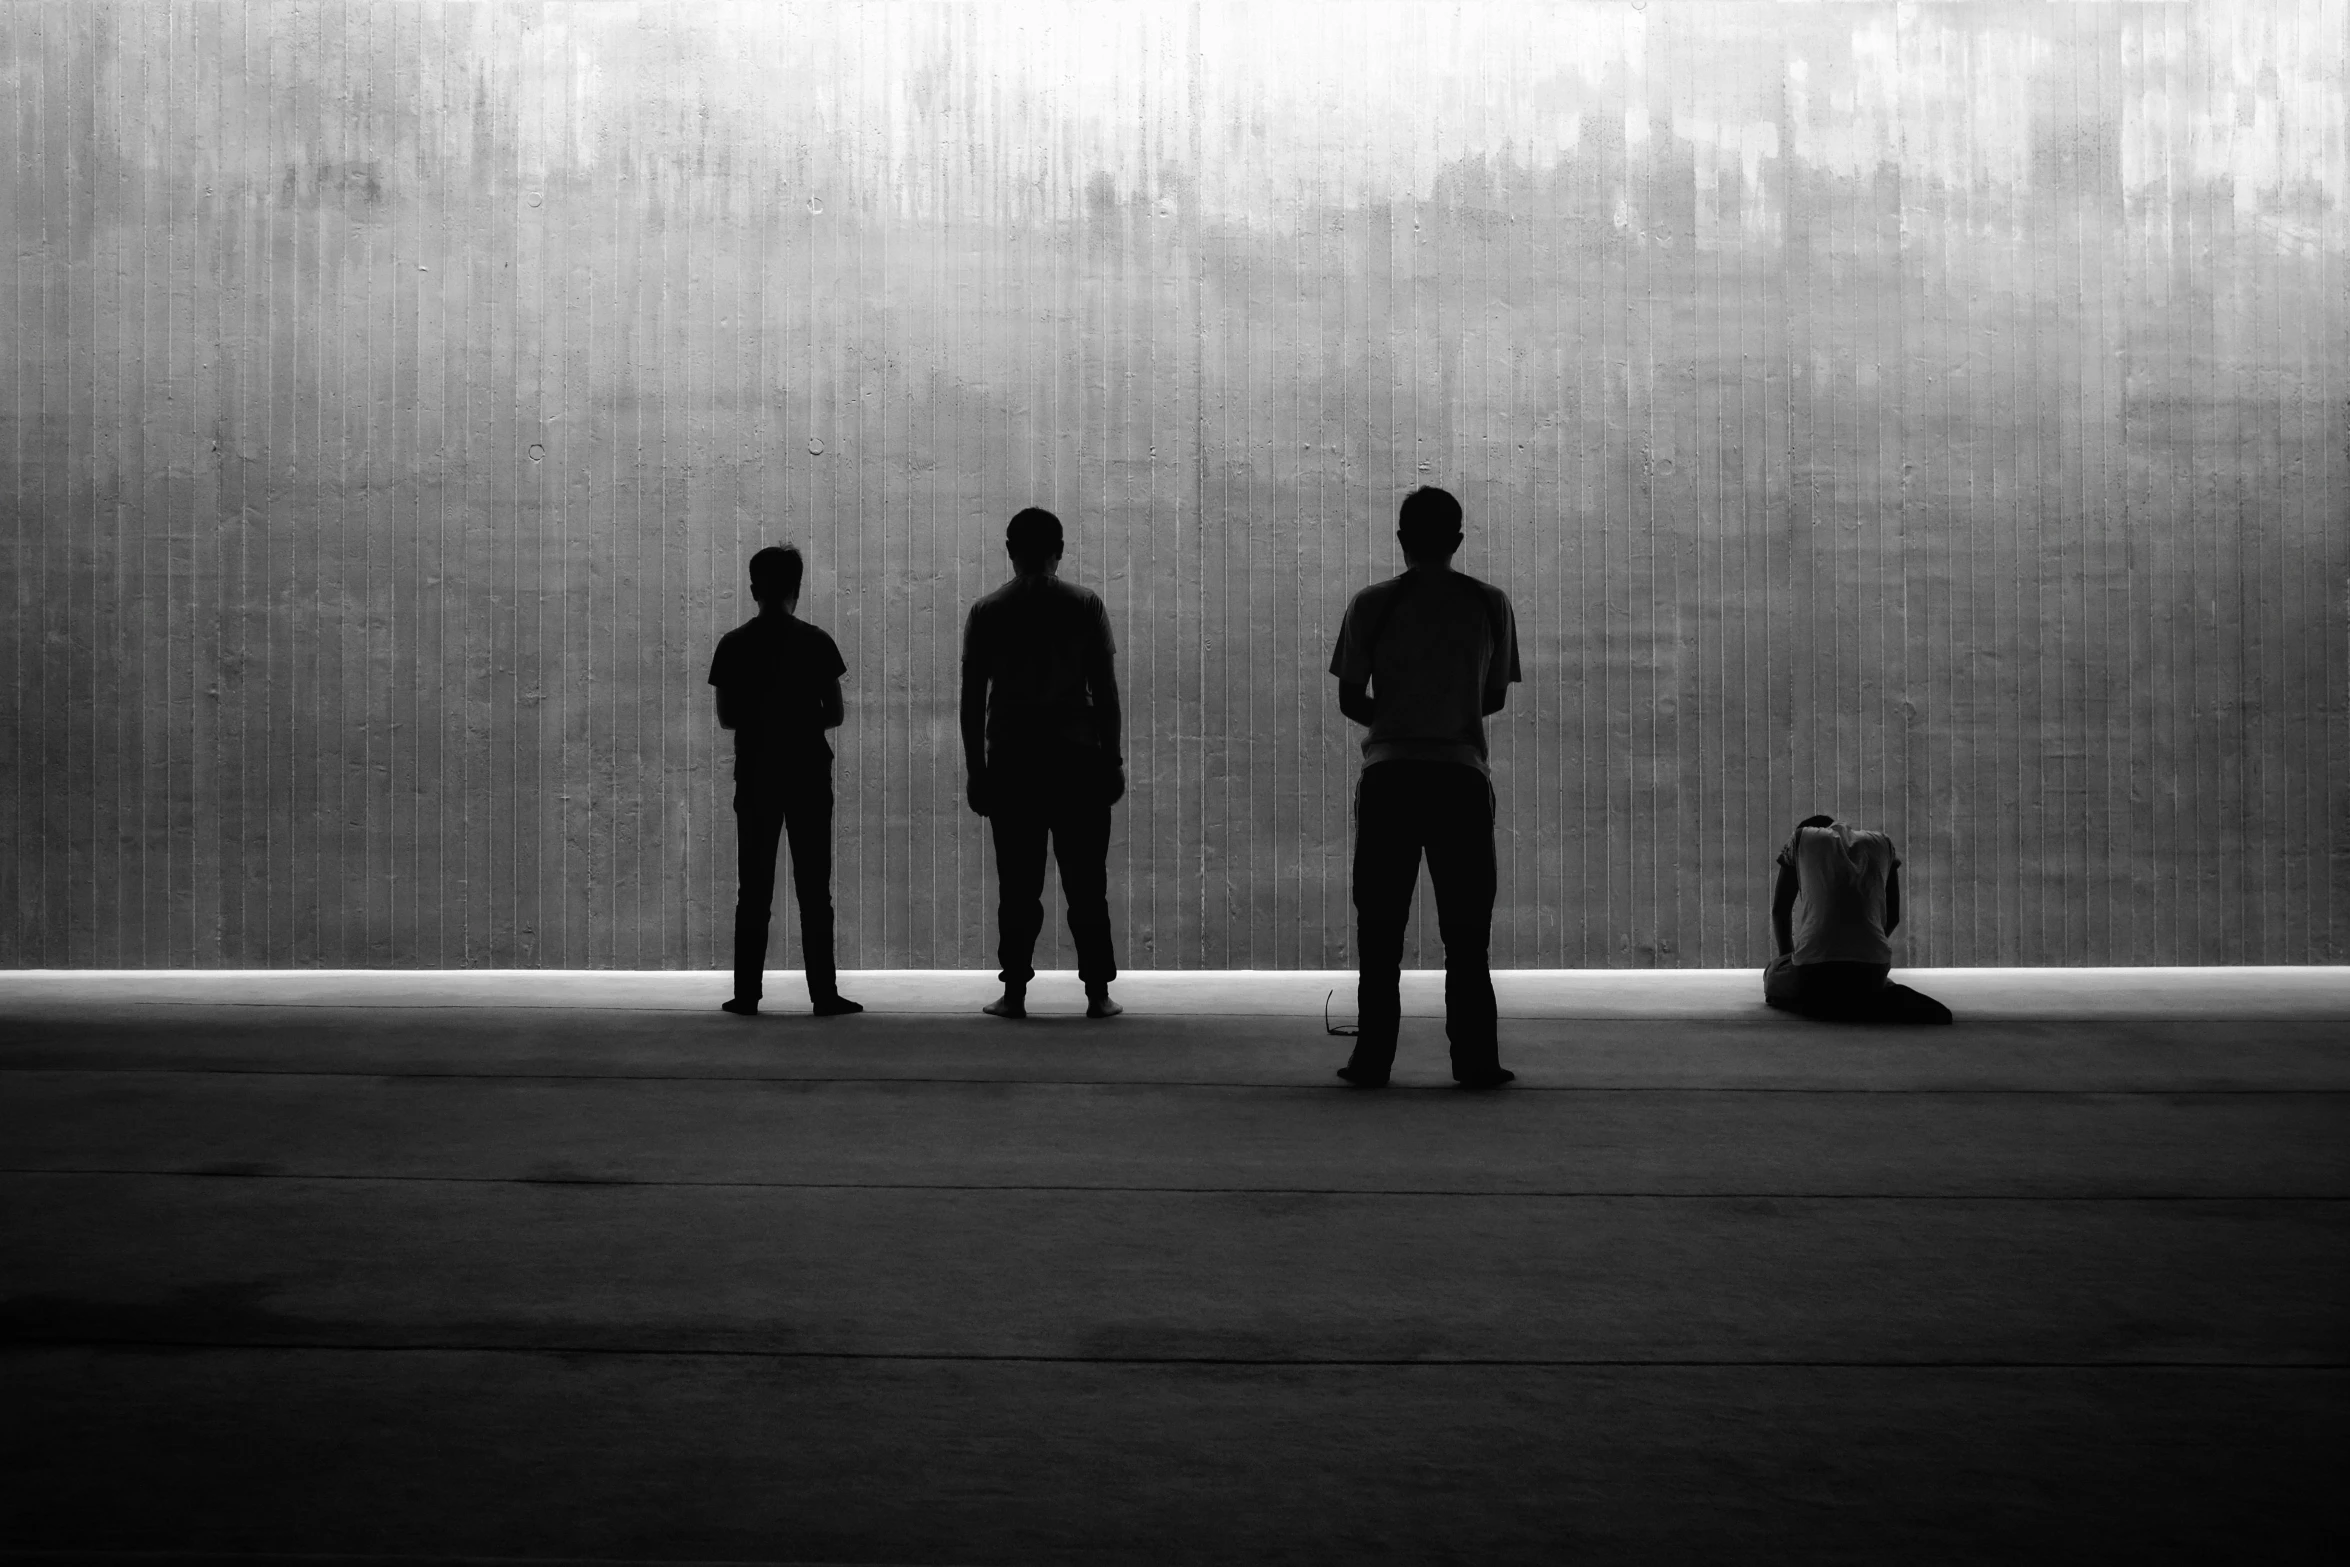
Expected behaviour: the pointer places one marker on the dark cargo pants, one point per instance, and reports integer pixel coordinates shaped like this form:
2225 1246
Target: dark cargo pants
1443 810
796 802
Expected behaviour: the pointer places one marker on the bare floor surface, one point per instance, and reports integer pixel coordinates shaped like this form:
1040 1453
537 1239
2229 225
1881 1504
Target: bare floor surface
473 1279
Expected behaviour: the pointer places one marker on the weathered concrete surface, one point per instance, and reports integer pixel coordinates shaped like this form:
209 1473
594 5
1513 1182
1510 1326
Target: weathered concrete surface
1933 414
646 1283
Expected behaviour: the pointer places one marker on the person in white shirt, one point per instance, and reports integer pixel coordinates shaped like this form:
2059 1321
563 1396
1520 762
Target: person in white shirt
1422 660
1836 904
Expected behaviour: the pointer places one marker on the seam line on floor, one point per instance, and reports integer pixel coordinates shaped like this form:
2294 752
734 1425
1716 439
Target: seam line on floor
18 1344
1517 1089
590 1182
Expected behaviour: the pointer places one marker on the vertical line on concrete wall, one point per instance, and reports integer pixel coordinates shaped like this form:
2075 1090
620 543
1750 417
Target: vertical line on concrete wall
81 326
49 911
2327 830
17 721
1195 222
126 771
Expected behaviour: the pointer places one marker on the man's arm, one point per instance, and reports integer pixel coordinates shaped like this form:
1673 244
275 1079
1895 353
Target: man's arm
1783 909
974 720
830 708
730 710
1356 702
1503 670
1893 900
1101 680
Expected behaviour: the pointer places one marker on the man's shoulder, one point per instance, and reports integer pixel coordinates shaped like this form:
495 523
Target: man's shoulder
738 637
813 636
1493 597
1079 597
994 599
1367 601
1030 595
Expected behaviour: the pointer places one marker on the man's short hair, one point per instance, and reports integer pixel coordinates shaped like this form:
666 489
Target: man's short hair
1430 522
1033 535
775 572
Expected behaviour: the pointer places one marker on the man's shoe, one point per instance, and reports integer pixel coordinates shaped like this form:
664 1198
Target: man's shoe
1363 1077
1098 1002
1493 1079
835 1006
1012 1003
740 1007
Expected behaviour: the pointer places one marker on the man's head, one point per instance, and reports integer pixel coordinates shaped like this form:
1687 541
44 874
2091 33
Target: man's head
1033 540
775 575
1428 526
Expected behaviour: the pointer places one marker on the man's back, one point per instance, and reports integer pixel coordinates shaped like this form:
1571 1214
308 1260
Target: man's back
775 672
1841 878
1042 647
1439 649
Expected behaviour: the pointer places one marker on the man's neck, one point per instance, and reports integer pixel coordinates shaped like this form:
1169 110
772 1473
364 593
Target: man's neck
1430 566
777 609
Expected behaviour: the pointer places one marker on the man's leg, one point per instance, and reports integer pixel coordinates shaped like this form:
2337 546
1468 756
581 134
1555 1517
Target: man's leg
1461 868
1839 991
758 823
1386 864
807 817
1019 835
1081 845
1900 1004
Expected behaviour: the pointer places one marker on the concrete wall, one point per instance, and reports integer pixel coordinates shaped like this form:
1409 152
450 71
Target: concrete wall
1932 414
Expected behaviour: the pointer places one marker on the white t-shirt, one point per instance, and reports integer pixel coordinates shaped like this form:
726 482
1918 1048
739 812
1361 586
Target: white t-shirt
1840 877
1437 647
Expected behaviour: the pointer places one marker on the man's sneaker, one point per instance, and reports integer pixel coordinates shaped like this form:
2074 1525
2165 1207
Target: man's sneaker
835 1006
1098 1002
1363 1077
1493 1079
740 1007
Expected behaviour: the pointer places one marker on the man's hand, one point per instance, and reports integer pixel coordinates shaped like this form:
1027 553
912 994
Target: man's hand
1114 780
975 791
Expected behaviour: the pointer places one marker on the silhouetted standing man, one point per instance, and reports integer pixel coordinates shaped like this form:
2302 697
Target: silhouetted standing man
1043 746
1423 659
778 681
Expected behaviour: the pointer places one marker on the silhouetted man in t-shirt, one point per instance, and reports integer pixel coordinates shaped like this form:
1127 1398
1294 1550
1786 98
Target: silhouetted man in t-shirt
1043 744
778 681
1422 659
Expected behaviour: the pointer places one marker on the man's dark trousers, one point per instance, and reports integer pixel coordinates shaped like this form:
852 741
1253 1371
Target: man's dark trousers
1444 810
798 801
1062 798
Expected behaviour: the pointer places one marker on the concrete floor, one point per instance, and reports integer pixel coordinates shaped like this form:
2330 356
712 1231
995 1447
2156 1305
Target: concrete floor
415 1266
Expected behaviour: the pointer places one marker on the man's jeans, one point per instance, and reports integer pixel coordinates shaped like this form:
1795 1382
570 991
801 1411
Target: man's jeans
798 801
1444 810
1063 799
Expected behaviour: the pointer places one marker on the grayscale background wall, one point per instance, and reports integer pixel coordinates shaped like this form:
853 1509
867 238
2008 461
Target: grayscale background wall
1938 415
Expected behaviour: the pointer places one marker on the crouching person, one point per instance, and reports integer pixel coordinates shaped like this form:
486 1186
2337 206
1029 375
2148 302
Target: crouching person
1837 900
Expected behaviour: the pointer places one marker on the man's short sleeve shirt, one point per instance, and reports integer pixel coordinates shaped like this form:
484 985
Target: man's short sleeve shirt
1040 645
1437 648
1841 877
776 672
